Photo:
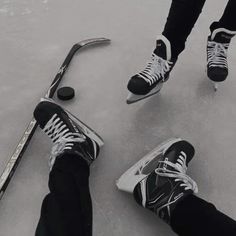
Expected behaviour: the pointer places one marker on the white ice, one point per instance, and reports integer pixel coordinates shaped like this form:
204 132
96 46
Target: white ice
36 36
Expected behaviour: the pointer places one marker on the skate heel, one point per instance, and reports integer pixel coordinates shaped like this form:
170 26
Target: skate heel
143 167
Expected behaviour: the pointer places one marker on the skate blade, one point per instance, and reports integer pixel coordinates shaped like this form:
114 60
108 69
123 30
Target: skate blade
216 86
132 98
85 128
143 167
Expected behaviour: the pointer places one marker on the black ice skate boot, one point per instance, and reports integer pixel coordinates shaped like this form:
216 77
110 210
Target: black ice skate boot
149 81
68 133
217 47
160 180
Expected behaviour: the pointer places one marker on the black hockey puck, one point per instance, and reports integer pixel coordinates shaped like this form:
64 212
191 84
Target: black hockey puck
65 93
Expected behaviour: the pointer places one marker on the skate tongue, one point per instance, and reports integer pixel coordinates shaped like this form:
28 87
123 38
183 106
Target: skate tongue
161 49
170 157
221 36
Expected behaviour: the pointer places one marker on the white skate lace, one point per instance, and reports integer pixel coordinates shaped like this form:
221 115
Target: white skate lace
155 69
217 54
179 173
61 136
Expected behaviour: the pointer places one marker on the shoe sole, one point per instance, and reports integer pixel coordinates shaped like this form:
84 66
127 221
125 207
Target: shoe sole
143 167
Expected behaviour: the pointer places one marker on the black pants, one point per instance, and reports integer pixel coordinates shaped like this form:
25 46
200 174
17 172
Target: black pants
196 217
67 209
183 15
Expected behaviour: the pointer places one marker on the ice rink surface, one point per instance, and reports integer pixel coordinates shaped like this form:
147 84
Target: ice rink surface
36 36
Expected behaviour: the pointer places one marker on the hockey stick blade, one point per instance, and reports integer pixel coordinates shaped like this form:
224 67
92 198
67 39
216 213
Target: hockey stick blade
69 57
16 157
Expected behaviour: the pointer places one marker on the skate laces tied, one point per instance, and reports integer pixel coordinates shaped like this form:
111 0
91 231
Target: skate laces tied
179 173
62 138
155 69
217 54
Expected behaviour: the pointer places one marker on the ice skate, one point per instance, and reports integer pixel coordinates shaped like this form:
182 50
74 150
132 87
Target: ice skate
143 167
217 47
67 132
149 81
163 187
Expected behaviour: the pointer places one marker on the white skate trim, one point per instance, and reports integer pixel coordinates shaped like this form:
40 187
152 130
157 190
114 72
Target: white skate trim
170 203
143 167
85 128
216 31
143 190
132 98
156 199
168 46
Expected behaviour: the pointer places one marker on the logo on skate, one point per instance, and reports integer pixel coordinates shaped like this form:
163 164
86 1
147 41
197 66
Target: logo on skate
226 36
62 69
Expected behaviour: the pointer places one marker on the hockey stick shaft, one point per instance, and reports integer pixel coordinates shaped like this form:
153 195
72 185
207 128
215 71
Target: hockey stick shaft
62 70
24 141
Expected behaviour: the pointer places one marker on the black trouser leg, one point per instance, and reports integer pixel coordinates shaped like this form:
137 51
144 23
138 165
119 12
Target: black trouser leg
67 209
182 16
194 217
228 19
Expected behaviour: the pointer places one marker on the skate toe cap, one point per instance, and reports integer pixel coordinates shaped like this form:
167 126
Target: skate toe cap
217 74
138 85
44 111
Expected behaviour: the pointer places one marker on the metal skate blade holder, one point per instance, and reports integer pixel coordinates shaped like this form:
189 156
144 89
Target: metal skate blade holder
132 98
216 86
143 167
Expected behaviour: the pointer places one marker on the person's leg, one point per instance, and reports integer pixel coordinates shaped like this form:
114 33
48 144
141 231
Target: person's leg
67 209
194 216
228 19
221 33
182 16
159 183
159 180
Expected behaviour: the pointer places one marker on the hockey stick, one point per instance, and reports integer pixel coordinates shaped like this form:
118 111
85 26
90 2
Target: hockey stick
24 141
